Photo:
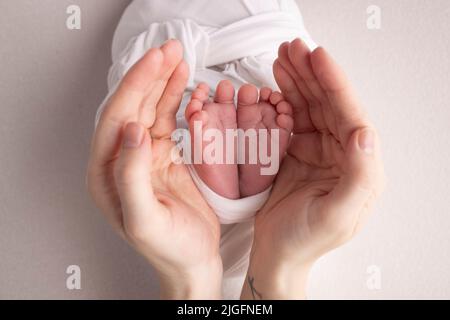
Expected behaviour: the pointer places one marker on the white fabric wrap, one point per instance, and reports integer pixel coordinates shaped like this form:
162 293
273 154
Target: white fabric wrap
242 52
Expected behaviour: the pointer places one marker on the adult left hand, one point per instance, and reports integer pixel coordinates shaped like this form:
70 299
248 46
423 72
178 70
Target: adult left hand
328 182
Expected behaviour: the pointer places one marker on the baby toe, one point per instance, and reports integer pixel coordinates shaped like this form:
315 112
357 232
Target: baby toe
201 93
248 95
276 98
224 92
203 86
264 94
193 107
285 107
199 116
286 122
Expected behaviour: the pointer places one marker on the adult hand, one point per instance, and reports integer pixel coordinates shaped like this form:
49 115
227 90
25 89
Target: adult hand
150 201
327 183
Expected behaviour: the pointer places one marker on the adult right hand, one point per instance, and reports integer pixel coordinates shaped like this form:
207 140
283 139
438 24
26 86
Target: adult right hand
150 201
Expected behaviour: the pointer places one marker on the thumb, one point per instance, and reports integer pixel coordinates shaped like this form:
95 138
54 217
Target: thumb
362 180
133 180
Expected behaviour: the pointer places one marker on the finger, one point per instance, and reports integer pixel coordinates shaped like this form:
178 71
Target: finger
302 121
172 52
343 100
142 87
123 107
300 57
348 205
169 103
135 99
315 110
134 87
133 180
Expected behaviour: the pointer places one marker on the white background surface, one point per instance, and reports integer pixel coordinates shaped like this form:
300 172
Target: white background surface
53 79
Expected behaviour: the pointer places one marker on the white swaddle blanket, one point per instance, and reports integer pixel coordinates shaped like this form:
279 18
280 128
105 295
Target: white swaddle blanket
236 40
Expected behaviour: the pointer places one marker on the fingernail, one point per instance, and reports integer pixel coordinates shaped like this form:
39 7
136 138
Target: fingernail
133 136
366 141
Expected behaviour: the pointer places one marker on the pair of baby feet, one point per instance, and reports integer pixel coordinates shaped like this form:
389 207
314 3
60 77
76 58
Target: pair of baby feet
257 111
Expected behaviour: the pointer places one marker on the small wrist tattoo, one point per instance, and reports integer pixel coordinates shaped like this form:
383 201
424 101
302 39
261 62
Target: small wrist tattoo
256 295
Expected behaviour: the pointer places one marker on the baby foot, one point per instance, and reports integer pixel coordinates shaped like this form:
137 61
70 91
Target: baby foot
266 111
219 114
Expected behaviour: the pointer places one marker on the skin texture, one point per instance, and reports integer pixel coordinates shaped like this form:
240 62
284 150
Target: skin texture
141 192
217 114
327 183
325 189
264 110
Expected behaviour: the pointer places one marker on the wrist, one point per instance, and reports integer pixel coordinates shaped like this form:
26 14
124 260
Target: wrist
275 280
197 283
